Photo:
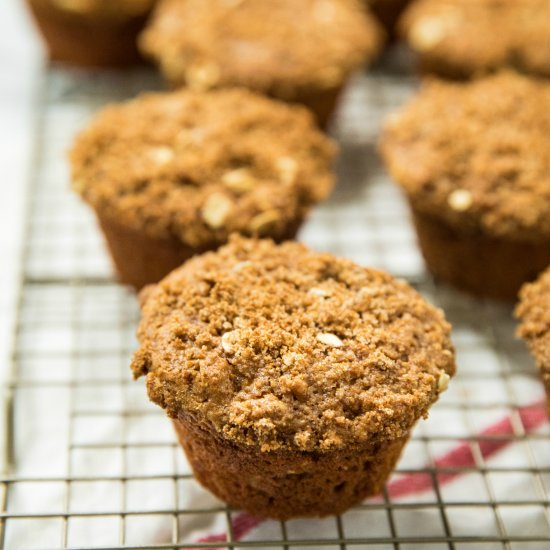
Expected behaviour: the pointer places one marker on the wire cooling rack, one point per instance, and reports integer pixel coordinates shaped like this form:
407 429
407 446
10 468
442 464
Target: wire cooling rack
92 464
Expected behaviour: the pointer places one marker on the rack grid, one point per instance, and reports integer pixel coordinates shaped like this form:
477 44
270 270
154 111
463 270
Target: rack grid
92 464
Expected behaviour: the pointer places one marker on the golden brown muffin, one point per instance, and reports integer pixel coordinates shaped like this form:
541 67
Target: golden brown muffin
173 174
534 312
296 51
464 38
92 33
474 162
293 378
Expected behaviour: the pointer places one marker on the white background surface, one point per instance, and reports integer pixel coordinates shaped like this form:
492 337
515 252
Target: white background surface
20 59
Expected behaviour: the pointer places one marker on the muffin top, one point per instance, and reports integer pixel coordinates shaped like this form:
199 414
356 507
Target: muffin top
279 347
471 36
200 165
275 46
476 154
534 311
109 8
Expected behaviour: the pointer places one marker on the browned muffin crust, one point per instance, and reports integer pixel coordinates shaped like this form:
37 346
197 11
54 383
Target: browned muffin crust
460 38
534 312
476 155
199 166
277 47
278 347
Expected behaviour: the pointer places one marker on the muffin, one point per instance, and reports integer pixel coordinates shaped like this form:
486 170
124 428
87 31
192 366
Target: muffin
91 33
465 38
534 312
388 12
293 378
474 162
295 51
170 175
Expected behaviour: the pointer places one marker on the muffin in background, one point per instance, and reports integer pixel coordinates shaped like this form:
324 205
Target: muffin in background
474 162
92 33
534 312
466 38
293 378
298 51
173 174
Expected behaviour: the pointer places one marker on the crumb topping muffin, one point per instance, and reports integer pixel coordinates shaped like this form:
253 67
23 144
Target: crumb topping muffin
477 155
534 311
281 348
463 37
275 47
199 166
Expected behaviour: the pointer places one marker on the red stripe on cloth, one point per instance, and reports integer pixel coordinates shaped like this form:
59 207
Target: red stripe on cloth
460 458
241 525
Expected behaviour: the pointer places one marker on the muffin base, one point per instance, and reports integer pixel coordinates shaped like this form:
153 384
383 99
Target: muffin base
322 104
141 260
285 484
430 64
388 12
485 266
87 41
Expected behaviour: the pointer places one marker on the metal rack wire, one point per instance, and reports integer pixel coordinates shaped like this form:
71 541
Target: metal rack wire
94 465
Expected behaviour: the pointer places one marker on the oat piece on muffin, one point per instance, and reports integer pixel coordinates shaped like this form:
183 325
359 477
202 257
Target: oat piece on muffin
293 378
534 312
92 33
474 162
463 38
173 174
296 51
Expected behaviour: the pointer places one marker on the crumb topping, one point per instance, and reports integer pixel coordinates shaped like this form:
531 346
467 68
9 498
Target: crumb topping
476 154
276 47
534 312
200 165
481 35
280 347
